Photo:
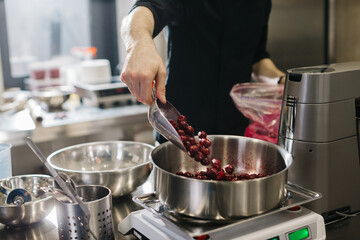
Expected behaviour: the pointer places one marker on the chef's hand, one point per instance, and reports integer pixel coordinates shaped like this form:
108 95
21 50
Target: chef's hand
142 65
266 67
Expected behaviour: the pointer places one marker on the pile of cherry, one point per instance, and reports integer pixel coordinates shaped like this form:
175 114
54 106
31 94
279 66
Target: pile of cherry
200 152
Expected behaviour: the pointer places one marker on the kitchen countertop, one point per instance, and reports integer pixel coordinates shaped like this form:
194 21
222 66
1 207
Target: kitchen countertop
123 206
78 122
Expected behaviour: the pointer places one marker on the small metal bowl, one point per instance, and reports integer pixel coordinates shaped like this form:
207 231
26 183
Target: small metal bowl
29 212
53 97
121 166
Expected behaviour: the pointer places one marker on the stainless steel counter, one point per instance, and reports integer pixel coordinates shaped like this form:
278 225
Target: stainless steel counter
62 129
79 122
123 206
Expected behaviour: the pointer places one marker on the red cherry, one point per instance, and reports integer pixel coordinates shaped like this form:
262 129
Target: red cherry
184 138
183 125
202 134
206 161
187 145
229 168
220 175
205 142
188 174
174 124
199 156
193 149
189 130
216 164
181 132
205 150
181 118
211 173
192 140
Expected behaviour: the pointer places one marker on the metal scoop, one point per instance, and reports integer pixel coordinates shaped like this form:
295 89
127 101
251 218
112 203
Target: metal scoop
159 115
17 196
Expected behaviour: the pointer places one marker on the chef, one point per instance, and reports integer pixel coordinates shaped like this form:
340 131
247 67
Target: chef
212 45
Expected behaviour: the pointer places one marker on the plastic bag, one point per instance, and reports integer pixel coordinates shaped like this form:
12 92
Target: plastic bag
261 103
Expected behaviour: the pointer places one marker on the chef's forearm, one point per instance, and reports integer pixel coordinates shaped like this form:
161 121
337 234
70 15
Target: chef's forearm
137 26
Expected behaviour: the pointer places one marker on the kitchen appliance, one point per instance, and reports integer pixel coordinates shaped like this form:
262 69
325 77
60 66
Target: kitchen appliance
289 221
114 93
319 126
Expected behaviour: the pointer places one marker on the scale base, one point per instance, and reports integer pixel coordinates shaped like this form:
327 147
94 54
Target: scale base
146 225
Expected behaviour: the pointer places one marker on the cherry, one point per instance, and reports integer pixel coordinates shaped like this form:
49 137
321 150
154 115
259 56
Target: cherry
205 150
205 142
229 168
188 174
220 175
183 125
205 161
184 138
182 118
189 130
211 173
215 163
193 149
199 156
202 134
181 132
192 140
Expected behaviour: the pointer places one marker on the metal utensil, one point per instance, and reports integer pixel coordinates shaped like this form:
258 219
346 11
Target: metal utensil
64 185
159 115
17 196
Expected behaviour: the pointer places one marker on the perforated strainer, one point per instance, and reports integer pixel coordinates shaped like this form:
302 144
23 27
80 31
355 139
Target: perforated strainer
74 225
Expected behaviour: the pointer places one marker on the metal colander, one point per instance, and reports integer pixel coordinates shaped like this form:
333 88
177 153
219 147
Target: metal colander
74 225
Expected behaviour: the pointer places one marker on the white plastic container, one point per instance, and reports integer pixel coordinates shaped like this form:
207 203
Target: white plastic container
5 160
96 71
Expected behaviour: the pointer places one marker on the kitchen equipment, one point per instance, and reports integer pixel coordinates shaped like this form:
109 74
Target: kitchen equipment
318 126
29 212
95 71
65 184
159 115
157 221
72 223
53 97
5 160
16 196
121 166
220 200
113 93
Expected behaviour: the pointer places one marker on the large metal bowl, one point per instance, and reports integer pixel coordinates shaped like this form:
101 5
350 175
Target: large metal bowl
53 97
219 200
121 166
29 212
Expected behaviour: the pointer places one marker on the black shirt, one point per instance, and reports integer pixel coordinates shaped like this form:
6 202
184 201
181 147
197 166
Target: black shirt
212 45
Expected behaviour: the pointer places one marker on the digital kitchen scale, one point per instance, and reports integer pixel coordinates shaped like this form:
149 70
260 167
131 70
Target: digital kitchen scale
288 222
112 94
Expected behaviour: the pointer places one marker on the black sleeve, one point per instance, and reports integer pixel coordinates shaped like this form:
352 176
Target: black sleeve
164 12
261 49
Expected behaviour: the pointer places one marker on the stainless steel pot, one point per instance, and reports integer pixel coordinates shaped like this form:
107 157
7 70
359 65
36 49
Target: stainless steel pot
218 200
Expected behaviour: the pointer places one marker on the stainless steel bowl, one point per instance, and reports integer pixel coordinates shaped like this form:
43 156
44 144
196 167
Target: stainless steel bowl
219 200
121 166
53 97
29 212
